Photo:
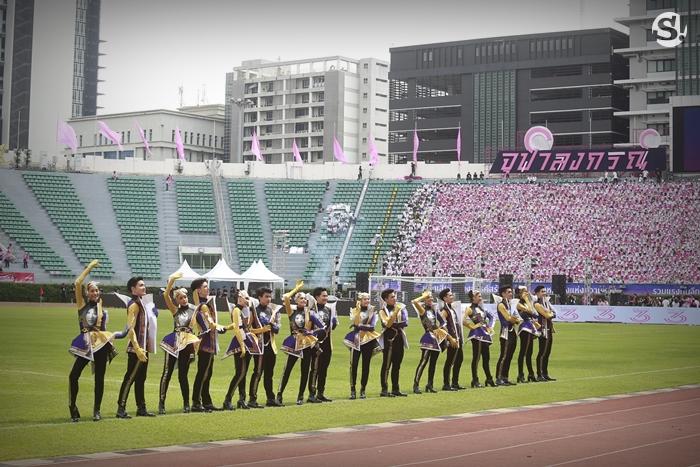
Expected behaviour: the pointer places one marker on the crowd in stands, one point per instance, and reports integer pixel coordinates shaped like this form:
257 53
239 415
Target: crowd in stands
412 221
626 232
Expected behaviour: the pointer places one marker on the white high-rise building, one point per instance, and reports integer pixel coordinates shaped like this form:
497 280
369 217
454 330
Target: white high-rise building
656 73
309 101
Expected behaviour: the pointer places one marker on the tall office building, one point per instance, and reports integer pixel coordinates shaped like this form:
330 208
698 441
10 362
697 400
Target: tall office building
656 73
309 101
496 88
50 51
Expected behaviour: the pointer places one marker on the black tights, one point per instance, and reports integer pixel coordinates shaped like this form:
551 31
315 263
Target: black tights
200 390
241 363
366 352
305 367
480 350
525 354
428 357
543 354
101 358
507 350
183 361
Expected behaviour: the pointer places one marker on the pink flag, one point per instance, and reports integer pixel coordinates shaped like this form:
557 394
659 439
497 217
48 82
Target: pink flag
415 145
255 147
373 153
66 136
338 152
143 138
110 134
459 144
178 145
295 151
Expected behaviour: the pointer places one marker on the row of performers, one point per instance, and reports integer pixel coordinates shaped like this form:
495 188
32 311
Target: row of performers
256 322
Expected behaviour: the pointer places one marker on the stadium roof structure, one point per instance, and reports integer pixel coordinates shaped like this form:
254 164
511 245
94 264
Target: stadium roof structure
258 272
222 272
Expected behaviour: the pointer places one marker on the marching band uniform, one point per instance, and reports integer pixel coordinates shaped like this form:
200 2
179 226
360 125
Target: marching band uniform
207 326
545 313
322 356
298 345
141 332
527 331
431 343
264 364
480 323
509 341
92 345
243 344
363 341
394 321
455 351
179 346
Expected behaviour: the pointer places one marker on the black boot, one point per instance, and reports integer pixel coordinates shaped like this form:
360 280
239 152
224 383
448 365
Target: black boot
186 408
143 412
253 404
314 400
476 383
531 379
228 405
96 416
398 393
416 389
121 412
429 388
489 382
74 414
363 395
521 379
323 398
273 403
353 394
199 408
161 408
242 405
549 378
447 387
279 399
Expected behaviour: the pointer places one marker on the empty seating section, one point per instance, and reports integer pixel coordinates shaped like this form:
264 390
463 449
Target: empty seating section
16 226
328 245
382 205
195 206
57 196
293 207
134 203
247 229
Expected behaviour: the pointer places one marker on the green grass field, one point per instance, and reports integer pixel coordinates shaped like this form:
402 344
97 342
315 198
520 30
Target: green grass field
588 359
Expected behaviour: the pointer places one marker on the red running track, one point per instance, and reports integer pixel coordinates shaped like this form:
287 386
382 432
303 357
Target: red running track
653 430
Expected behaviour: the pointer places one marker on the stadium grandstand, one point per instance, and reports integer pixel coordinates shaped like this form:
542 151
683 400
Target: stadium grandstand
627 231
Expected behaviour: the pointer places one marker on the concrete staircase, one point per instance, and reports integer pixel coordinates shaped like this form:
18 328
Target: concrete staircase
168 231
94 195
223 187
21 195
264 218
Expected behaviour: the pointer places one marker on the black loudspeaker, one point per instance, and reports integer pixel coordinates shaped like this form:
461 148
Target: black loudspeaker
505 280
559 286
362 281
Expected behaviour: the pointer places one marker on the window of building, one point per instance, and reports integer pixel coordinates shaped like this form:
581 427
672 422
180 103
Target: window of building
209 140
150 134
364 125
364 110
568 140
438 86
197 139
658 97
364 95
81 141
379 109
216 140
662 128
552 94
551 72
601 91
554 117
364 140
365 80
656 66
365 66
172 136
398 89
661 4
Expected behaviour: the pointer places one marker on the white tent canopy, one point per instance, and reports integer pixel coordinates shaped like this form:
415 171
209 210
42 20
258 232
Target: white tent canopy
188 274
222 272
258 272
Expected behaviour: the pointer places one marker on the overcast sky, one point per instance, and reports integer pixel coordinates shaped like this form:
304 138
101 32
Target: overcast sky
155 46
